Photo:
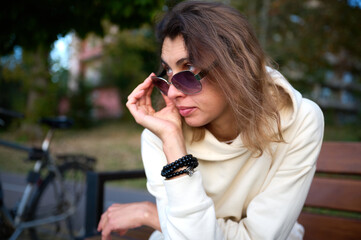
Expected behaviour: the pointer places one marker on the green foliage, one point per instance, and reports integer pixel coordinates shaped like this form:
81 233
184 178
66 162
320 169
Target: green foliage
348 132
11 92
308 30
301 34
61 78
30 24
11 97
27 85
80 103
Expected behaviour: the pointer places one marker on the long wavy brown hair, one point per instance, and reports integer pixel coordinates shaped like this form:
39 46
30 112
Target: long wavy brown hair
218 35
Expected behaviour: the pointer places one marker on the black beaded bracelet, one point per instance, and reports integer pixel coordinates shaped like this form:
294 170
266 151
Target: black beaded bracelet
188 161
188 170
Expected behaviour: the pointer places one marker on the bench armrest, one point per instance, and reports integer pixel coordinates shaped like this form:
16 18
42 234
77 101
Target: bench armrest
95 195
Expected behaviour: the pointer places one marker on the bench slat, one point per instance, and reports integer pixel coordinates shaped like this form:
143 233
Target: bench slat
338 194
340 157
141 233
330 228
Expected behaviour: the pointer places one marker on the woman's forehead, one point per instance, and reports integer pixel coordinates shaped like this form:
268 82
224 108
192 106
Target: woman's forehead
174 51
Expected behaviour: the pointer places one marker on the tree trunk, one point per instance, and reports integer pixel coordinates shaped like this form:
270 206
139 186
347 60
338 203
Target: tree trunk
37 79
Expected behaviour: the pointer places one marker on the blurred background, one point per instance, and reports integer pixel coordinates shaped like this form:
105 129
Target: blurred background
82 59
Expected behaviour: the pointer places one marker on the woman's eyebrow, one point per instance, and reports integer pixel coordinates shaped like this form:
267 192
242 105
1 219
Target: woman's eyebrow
178 63
163 62
181 61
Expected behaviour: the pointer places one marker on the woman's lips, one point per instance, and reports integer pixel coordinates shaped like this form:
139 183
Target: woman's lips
186 111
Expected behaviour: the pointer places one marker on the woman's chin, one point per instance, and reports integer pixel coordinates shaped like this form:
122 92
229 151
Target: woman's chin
193 122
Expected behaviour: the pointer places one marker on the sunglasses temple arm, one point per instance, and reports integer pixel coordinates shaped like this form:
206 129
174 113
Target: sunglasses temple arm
162 73
200 75
203 73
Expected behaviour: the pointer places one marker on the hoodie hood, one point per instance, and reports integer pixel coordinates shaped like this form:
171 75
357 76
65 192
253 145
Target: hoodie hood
289 113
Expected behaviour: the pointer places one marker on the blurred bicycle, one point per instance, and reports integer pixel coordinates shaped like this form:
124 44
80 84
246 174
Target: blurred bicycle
54 191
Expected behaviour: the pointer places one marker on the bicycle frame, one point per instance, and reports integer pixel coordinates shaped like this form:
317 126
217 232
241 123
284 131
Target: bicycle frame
46 161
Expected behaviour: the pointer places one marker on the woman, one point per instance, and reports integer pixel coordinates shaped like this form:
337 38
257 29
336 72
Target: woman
254 140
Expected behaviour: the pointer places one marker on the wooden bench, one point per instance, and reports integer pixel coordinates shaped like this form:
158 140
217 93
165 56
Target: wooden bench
333 206
332 210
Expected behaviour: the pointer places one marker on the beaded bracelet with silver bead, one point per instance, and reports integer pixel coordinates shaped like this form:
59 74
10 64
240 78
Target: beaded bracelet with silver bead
188 161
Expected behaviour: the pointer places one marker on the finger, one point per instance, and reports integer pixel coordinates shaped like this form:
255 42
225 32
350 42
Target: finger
148 99
132 103
106 234
148 91
136 96
101 222
107 237
115 206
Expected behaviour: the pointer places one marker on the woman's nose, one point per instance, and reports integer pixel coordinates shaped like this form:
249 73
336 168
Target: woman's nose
173 92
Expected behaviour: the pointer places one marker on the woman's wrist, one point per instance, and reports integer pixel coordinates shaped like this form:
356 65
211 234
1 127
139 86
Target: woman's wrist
149 215
174 147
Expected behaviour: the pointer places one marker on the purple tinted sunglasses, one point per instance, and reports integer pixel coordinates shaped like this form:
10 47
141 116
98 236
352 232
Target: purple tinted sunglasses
185 81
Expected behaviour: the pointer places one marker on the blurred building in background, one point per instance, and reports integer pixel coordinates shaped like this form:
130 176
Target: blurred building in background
340 89
338 93
84 65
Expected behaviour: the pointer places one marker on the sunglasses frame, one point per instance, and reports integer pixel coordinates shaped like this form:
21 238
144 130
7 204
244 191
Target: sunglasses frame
199 76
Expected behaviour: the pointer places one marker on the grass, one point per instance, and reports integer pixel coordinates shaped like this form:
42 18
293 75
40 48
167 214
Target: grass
342 133
329 212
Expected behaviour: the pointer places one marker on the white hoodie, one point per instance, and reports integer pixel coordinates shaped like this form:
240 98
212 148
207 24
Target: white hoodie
233 195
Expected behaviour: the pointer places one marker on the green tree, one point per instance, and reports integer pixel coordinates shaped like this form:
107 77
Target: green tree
34 26
30 24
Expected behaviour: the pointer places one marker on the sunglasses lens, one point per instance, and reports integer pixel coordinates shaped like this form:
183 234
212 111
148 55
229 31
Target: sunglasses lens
161 85
186 82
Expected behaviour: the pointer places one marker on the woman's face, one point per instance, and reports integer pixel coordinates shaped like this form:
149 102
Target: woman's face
208 107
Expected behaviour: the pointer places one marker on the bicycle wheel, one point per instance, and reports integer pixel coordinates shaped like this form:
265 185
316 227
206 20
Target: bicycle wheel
61 201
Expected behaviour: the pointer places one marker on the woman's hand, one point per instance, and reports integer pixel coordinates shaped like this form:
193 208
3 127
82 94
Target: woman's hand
121 217
165 121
